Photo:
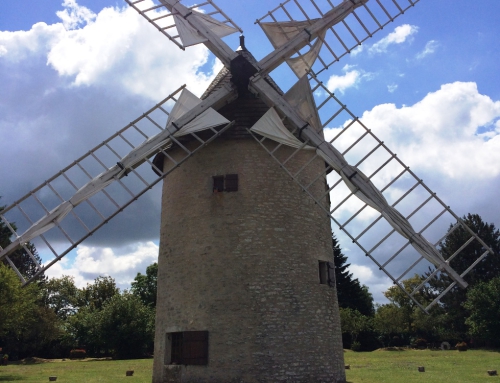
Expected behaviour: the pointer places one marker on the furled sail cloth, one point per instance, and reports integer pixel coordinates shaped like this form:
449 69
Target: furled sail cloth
271 126
303 63
190 36
301 99
279 33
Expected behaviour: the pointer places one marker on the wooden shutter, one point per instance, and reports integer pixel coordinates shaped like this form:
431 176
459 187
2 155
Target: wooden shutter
231 182
176 341
218 183
323 272
195 348
331 274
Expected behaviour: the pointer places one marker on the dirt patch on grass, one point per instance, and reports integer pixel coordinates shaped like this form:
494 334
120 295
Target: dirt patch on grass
33 360
391 349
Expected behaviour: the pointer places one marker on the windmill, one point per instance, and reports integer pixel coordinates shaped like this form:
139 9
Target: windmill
225 145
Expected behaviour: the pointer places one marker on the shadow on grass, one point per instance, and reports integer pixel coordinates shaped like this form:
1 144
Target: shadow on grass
10 378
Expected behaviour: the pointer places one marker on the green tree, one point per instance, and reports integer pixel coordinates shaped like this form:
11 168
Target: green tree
453 302
484 307
353 323
94 295
20 257
61 296
389 322
144 286
350 292
127 325
26 328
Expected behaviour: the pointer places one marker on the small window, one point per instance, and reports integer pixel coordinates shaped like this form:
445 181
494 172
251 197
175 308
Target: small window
188 348
228 183
231 182
326 273
218 184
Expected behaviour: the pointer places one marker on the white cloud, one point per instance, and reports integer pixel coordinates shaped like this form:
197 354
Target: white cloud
441 134
430 48
115 47
356 51
399 36
392 88
74 15
351 78
122 264
377 282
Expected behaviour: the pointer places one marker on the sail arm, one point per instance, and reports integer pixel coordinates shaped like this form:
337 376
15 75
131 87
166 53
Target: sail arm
200 117
359 184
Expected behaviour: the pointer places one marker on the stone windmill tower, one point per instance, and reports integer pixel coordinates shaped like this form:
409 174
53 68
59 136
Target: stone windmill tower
246 289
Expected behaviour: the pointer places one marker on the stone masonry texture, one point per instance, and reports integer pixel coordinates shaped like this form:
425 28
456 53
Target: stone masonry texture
244 267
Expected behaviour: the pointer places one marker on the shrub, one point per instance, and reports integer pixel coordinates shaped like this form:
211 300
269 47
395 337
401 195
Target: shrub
462 346
396 341
420 343
5 357
77 354
355 346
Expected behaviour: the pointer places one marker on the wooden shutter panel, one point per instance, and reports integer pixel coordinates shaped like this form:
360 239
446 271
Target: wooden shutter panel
218 183
195 348
331 274
231 182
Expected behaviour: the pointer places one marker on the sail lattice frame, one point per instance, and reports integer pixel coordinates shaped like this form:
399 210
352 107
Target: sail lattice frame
163 19
101 206
364 226
340 39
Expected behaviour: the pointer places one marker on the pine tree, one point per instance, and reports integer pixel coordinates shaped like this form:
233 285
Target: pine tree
351 293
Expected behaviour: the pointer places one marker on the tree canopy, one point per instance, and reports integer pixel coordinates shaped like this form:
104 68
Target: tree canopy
20 257
144 286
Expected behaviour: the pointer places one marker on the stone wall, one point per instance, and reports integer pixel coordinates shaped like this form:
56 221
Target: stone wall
244 267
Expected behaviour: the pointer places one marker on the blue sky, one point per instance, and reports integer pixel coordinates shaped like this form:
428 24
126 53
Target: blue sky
65 88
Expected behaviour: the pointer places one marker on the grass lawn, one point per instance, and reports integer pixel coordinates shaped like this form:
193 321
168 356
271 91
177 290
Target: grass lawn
440 366
366 367
85 371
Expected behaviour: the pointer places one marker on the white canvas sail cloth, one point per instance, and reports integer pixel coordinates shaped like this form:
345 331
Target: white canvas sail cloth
187 101
190 36
280 33
271 126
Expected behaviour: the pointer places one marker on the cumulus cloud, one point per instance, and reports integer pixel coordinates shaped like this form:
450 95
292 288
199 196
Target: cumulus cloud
377 282
115 47
122 264
430 48
400 35
450 138
351 78
72 84
454 127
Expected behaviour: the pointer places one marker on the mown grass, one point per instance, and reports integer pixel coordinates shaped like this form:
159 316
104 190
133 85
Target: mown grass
365 367
440 366
76 371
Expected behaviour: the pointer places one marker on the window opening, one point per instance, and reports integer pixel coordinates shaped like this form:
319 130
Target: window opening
228 183
326 273
188 347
